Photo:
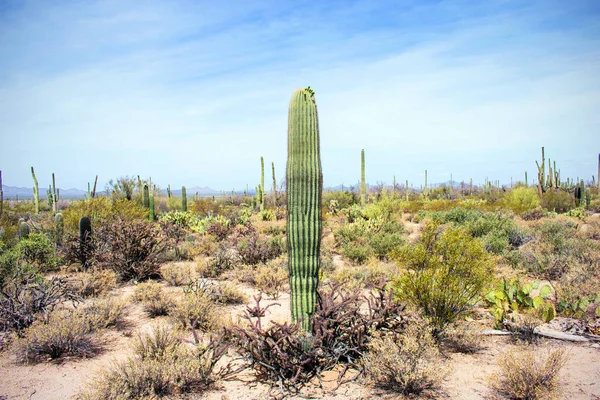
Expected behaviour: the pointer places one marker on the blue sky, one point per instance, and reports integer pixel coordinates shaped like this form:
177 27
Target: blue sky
194 92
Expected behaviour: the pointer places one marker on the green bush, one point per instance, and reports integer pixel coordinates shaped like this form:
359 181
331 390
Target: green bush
39 251
383 243
344 199
522 199
185 219
357 254
445 273
99 209
557 200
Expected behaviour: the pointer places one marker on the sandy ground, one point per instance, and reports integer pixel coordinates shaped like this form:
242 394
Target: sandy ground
580 379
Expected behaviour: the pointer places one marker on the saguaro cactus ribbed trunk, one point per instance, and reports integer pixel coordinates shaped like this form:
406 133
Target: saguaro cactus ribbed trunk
262 183
274 185
363 184
183 199
36 192
304 180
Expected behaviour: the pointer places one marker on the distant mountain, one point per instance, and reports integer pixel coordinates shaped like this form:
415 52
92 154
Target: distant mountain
12 192
191 191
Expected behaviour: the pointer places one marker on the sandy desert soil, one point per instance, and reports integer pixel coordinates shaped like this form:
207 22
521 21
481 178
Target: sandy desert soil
580 379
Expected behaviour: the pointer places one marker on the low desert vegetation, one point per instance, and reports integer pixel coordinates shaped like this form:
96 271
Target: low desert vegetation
405 280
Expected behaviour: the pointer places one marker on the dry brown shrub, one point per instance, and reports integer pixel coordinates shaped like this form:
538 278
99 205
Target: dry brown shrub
463 338
408 363
104 313
178 273
97 282
154 300
271 278
528 374
196 311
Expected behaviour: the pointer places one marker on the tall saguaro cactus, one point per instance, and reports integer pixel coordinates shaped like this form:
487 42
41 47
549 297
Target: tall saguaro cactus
304 180
146 196
274 185
541 172
363 184
183 199
1 195
262 183
54 194
36 192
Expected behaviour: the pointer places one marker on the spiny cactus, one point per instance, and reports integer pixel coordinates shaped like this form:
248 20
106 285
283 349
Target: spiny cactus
85 237
169 191
95 184
36 192
183 199
304 180
151 206
588 197
146 196
262 184
363 184
425 192
274 185
541 173
54 194
526 184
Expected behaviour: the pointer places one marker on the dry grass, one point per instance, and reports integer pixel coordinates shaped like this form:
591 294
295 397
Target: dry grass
528 374
153 298
463 338
178 273
271 278
97 282
408 363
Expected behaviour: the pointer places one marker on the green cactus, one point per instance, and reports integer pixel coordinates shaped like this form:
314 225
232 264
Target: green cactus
304 180
582 194
425 192
151 206
262 184
169 191
36 193
146 196
54 194
407 190
183 199
363 184
85 237
274 185
588 197
541 174
95 185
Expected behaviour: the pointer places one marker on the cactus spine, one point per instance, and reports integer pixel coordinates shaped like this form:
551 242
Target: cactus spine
363 184
262 183
304 180
274 185
151 206
183 199
36 193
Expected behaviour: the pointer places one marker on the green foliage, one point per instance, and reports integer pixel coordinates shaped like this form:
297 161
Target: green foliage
39 251
445 273
185 219
343 199
383 243
522 199
267 215
557 200
99 209
204 223
357 254
512 297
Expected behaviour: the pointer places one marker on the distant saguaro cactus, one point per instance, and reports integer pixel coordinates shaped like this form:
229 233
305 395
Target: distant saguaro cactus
183 199
304 180
151 206
36 192
363 184
274 185
262 184
541 172
85 237
146 196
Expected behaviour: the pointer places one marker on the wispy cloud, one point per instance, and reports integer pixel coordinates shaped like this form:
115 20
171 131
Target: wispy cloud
195 92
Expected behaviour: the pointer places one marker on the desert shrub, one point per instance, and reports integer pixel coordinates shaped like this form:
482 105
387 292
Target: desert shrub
348 233
525 374
39 251
463 338
99 209
26 295
228 293
10 259
286 356
444 275
104 313
271 278
153 298
130 248
344 198
534 214
63 334
382 243
177 274
160 367
184 219
196 311
97 282
357 254
408 363
267 215
253 250
557 200
522 199
73 250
